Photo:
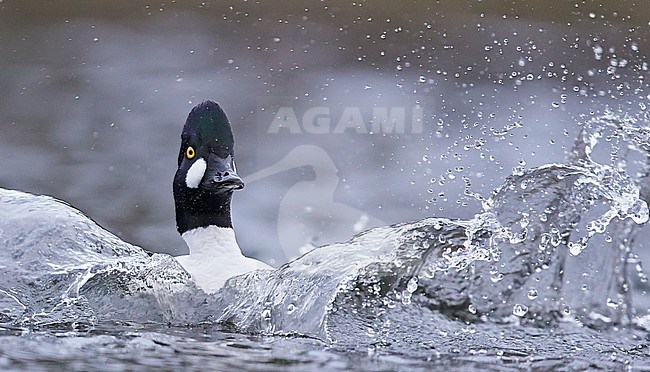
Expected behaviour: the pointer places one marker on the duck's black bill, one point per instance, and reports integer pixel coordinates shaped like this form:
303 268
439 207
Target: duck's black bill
220 175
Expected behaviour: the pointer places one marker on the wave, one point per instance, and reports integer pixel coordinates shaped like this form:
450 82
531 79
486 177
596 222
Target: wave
550 245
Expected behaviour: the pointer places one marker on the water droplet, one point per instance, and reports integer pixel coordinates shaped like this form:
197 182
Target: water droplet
471 308
519 310
612 303
575 248
406 297
532 293
496 278
524 222
598 54
291 308
518 171
412 285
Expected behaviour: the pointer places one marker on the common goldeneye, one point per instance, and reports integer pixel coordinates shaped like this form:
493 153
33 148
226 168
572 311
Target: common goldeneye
203 186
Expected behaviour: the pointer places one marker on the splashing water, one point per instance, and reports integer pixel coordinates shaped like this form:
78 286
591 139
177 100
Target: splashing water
550 245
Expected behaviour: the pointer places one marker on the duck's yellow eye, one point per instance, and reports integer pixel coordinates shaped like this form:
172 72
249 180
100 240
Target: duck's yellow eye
190 152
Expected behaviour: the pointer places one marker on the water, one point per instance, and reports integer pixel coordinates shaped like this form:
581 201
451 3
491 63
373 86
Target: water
116 346
504 288
547 106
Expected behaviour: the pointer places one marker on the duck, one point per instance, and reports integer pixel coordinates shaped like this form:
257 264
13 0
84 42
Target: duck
203 187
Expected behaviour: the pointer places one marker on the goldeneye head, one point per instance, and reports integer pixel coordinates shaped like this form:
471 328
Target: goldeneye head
206 175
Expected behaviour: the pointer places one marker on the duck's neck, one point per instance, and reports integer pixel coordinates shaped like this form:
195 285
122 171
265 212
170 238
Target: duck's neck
196 209
212 242
215 257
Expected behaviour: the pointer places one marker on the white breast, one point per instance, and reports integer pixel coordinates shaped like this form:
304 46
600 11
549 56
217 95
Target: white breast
215 257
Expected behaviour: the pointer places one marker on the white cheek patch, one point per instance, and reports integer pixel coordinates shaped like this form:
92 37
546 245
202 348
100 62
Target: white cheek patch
195 173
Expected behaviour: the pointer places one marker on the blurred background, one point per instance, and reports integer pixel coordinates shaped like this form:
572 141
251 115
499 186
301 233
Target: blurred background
94 95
